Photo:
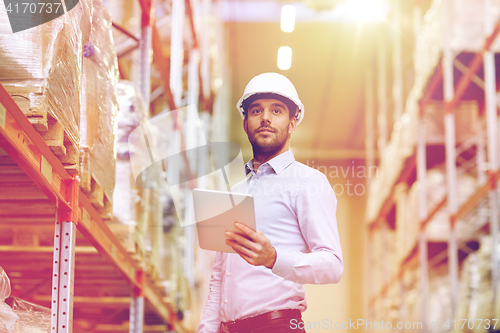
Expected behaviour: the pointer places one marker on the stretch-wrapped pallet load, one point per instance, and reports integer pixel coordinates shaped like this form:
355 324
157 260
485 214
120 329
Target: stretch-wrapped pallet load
391 304
437 229
404 140
466 122
128 198
496 309
41 68
402 228
154 235
99 110
476 290
439 296
411 296
483 308
469 280
384 258
459 23
19 316
8 317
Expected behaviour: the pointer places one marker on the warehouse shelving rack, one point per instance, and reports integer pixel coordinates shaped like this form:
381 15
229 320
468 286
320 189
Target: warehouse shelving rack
416 163
71 209
41 190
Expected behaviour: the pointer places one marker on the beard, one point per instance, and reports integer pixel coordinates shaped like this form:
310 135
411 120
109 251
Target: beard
270 144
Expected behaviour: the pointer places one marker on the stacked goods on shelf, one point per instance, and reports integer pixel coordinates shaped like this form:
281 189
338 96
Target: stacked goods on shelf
149 231
132 113
402 227
8 317
476 290
129 200
475 298
468 289
98 112
384 263
469 280
375 261
437 229
385 255
462 29
19 316
466 35
466 122
383 310
41 68
484 302
393 305
154 244
30 317
410 293
392 163
496 309
439 296
465 28
171 255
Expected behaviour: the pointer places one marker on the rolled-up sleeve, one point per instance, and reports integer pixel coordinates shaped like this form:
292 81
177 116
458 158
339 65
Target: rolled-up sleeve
316 213
210 321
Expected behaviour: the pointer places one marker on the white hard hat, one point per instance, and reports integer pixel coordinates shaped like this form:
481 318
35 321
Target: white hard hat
271 83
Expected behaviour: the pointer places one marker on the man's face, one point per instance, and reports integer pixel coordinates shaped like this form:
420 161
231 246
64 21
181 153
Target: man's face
268 126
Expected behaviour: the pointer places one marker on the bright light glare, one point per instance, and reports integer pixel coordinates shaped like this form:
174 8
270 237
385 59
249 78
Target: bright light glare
284 58
287 18
365 10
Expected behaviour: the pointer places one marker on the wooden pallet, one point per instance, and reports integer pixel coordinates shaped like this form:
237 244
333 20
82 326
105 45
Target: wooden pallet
93 189
30 97
31 100
97 197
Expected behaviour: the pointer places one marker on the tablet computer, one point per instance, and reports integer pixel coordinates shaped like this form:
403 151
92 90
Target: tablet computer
215 213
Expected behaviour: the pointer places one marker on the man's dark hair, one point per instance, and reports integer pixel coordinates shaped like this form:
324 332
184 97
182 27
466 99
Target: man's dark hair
292 107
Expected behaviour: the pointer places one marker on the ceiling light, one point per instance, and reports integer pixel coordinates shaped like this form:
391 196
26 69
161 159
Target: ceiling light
287 18
284 58
364 10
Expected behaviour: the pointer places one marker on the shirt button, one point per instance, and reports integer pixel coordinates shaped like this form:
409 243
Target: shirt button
228 273
225 301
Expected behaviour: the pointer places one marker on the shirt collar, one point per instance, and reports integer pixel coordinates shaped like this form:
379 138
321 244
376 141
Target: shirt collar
278 163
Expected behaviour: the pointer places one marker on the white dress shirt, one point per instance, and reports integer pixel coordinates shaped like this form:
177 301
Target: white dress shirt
295 208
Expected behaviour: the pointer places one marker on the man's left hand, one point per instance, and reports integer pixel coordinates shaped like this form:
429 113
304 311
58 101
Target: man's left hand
256 249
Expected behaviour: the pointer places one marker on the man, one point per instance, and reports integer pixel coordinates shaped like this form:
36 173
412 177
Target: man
259 288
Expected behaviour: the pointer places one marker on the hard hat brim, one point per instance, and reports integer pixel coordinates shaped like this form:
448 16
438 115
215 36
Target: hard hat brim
300 106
